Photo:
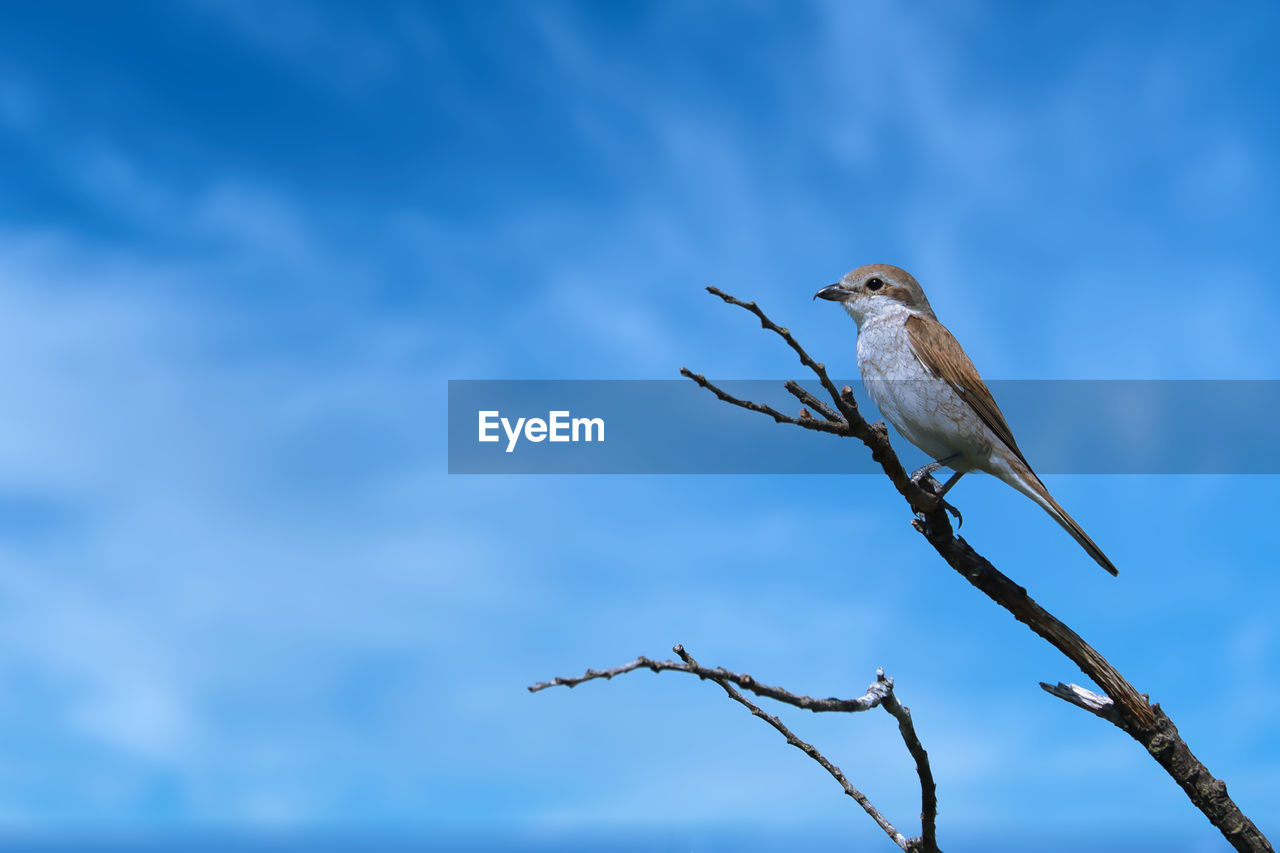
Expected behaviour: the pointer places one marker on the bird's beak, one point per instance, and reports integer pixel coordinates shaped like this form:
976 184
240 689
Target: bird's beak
834 292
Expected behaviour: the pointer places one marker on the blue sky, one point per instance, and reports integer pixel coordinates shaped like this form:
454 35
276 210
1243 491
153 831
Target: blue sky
243 247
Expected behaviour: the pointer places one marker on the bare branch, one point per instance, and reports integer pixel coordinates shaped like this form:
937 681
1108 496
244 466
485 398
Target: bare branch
819 369
802 394
838 428
874 436
873 697
879 694
976 569
1131 710
809 750
928 790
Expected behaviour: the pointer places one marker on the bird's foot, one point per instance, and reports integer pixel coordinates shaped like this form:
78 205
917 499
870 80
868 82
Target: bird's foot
949 508
924 479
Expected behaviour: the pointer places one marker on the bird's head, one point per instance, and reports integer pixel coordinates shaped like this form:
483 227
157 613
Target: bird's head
877 288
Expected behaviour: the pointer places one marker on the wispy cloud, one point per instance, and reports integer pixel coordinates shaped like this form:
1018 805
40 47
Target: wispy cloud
238 583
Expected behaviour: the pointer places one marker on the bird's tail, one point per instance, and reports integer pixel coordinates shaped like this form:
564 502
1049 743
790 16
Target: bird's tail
1029 484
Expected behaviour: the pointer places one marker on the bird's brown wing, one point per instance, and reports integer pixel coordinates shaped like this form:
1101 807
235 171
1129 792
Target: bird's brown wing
942 355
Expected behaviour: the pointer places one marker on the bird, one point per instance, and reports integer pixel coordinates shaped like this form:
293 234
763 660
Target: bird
927 387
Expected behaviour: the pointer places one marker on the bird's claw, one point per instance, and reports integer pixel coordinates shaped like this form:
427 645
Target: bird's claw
924 472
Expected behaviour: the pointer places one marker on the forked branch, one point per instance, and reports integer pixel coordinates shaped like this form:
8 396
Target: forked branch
879 695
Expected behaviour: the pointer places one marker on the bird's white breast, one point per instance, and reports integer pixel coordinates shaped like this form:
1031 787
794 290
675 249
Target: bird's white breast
925 409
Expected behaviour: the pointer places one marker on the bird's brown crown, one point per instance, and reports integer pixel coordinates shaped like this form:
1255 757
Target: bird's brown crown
889 282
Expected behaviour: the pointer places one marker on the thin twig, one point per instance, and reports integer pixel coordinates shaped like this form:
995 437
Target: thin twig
805 359
836 428
871 699
804 396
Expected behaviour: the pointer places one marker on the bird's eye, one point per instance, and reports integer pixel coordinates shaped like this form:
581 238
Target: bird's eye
874 284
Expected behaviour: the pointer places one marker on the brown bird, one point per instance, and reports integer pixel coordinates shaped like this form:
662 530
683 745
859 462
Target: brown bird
925 385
